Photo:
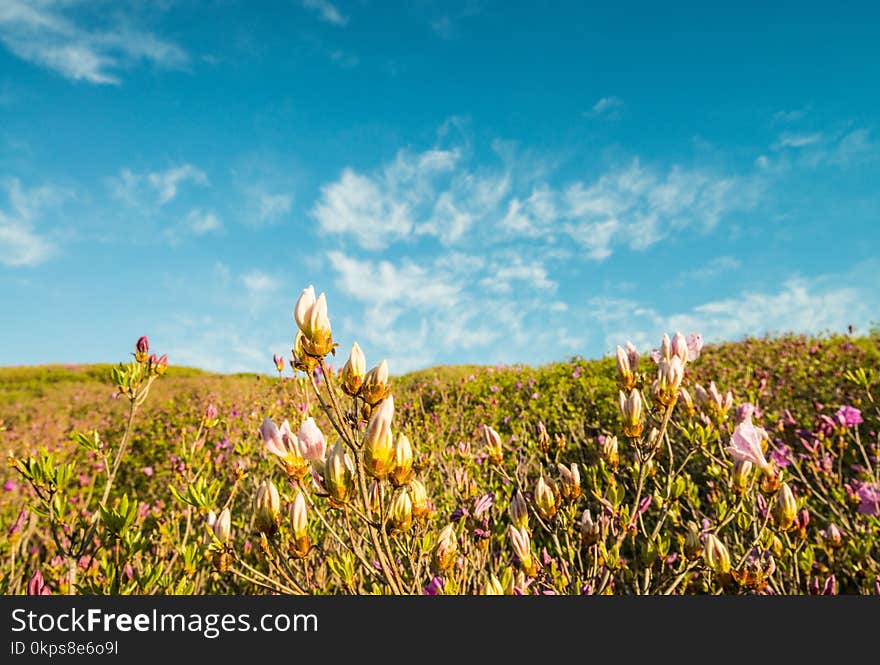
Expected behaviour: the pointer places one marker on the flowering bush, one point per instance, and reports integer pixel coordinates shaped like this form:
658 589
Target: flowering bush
741 468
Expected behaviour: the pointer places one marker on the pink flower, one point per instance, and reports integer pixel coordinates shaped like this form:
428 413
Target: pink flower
869 499
694 343
37 587
148 471
745 444
848 416
10 486
312 444
279 440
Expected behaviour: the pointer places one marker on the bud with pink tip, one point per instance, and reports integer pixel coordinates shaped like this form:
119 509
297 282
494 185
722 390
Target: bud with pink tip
569 481
492 444
267 508
670 374
545 499
679 347
521 544
339 475
589 529
376 386
222 526
354 371
378 441
402 464
299 542
446 550
279 362
518 510
626 378
716 555
142 349
631 413
784 509
400 512
311 317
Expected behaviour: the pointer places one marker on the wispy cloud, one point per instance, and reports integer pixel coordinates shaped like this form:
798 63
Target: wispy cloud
44 33
802 304
795 140
448 25
21 243
259 283
440 193
201 222
344 59
325 11
130 187
607 106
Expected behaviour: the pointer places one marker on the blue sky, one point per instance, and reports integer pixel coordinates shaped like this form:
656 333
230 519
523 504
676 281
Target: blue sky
471 181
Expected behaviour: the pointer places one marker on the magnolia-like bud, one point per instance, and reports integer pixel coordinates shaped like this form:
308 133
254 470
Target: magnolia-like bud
684 398
142 349
158 366
222 526
625 376
353 371
302 360
518 510
833 536
339 475
633 355
665 348
311 317
669 376
679 347
492 444
545 499
375 497
543 439
312 445
589 529
299 541
446 550
493 587
378 441
304 304
419 497
402 468
742 469
610 451
267 508
279 362
716 555
693 544
375 385
298 516
400 512
784 509
521 545
569 481
631 413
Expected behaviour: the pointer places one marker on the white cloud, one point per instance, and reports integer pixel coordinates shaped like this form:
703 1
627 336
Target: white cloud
344 59
21 244
201 222
131 188
40 32
607 105
259 283
810 305
381 208
325 11
794 140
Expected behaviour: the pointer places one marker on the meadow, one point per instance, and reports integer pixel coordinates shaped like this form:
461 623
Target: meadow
748 467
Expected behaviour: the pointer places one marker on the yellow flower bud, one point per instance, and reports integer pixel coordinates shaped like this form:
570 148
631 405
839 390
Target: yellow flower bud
518 510
545 499
378 442
402 466
631 413
716 555
376 386
400 512
493 587
784 509
446 550
419 496
267 508
492 444
339 475
353 372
